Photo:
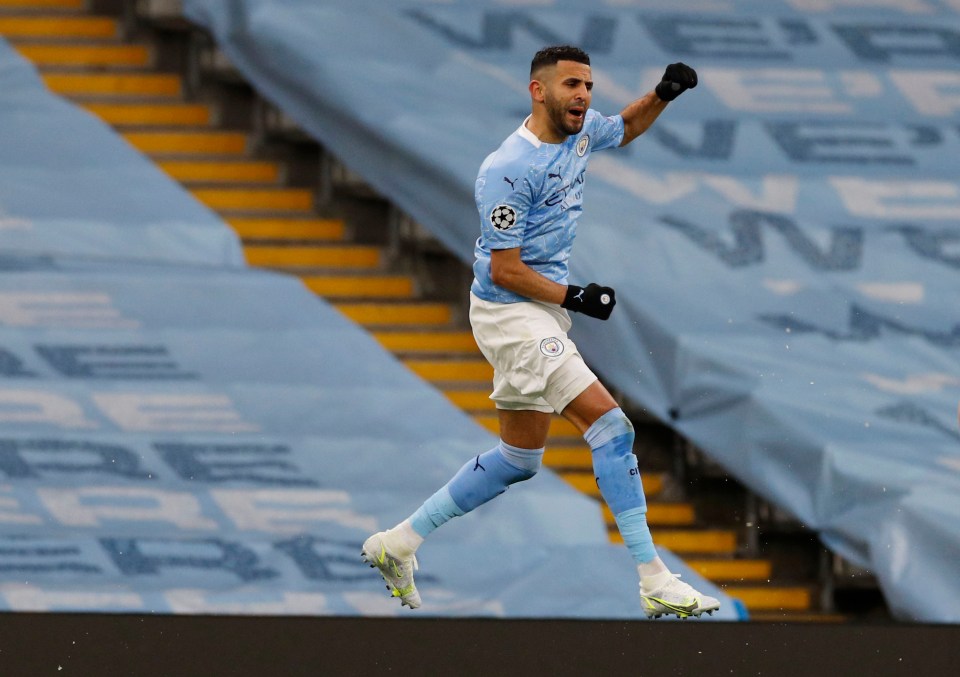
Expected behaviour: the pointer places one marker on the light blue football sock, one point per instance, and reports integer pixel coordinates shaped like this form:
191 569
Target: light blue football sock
435 511
480 479
615 467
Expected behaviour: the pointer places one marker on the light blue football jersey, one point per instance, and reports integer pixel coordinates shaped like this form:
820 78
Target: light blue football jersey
529 195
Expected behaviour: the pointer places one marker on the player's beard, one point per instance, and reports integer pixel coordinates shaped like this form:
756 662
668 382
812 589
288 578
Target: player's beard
557 111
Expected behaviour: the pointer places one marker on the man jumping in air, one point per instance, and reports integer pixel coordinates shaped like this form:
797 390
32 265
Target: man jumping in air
529 193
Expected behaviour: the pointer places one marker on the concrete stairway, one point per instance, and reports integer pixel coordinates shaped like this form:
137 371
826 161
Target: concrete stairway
82 57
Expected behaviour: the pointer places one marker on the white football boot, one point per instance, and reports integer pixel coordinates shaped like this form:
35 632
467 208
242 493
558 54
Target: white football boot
397 570
677 598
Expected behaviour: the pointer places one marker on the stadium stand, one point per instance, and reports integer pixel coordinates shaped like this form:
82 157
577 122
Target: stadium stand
185 434
118 304
788 264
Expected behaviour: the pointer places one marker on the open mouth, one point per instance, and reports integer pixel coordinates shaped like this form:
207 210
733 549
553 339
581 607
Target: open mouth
577 112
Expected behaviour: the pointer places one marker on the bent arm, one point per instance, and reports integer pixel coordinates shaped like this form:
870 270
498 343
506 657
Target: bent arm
509 272
639 115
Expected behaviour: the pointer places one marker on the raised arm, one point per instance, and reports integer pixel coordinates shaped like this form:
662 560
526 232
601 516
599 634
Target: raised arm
640 114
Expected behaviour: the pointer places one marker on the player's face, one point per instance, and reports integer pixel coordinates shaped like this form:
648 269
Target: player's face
567 95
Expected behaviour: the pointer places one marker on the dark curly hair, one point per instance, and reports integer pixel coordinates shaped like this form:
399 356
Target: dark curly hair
548 56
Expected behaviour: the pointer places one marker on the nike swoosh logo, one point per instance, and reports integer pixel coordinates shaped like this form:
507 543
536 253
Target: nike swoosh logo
687 608
393 563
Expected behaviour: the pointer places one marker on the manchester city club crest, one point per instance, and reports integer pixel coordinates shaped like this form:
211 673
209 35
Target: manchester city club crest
551 347
582 144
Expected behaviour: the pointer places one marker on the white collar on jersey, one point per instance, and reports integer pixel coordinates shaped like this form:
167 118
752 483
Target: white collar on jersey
528 135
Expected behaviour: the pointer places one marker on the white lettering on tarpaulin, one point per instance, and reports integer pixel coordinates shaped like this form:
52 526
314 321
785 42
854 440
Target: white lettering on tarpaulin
652 187
775 90
862 84
13 223
165 412
905 6
912 384
42 407
893 292
287 511
120 362
898 199
775 193
619 94
9 222
783 287
934 93
26 597
67 310
194 601
11 512
92 506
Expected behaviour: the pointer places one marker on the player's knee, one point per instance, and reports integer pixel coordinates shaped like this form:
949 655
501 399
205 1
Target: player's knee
522 463
614 425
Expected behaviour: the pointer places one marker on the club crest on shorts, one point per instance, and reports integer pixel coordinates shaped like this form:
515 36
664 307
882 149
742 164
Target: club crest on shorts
551 347
582 144
503 217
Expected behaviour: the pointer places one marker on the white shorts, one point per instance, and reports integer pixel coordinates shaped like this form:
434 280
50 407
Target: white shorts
535 364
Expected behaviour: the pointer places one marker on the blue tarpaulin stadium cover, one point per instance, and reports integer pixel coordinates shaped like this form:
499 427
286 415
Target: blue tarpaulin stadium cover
182 434
784 241
70 186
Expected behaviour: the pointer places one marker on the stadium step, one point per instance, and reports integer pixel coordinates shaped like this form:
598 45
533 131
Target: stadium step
40 5
80 55
226 172
397 314
412 342
152 114
86 85
298 229
772 597
187 143
569 457
471 400
660 514
693 541
452 370
259 199
728 570
360 286
57 27
350 257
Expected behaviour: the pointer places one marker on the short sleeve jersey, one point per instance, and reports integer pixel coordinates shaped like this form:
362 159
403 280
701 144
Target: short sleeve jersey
529 195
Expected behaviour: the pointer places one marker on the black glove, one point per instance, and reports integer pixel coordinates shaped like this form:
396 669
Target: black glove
592 300
677 79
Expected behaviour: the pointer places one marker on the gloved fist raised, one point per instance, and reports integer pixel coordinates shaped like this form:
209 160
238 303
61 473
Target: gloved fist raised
677 79
592 300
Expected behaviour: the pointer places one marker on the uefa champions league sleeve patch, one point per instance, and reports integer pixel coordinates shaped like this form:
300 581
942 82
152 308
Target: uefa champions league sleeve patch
503 217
